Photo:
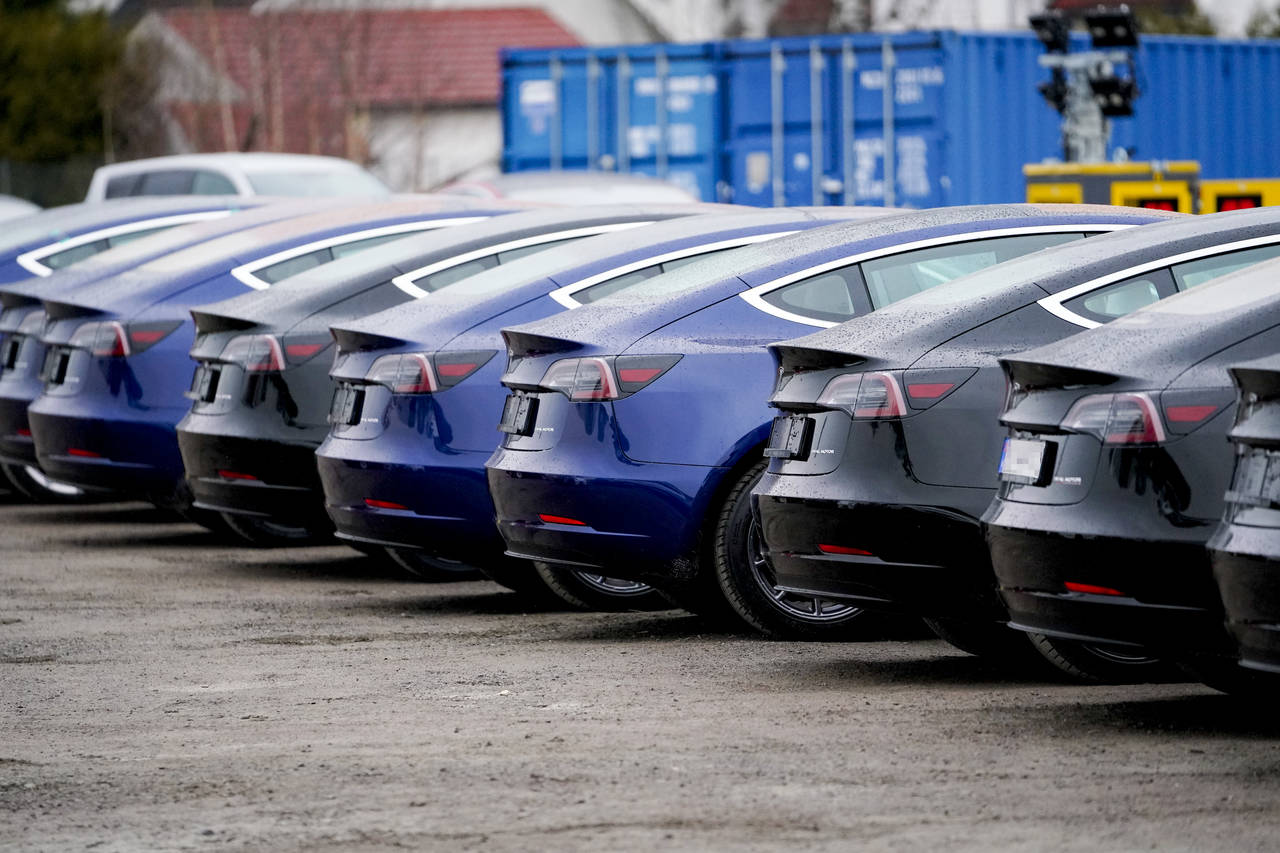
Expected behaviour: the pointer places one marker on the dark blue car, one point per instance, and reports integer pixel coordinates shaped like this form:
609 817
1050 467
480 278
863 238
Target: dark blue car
61 236
116 368
418 397
635 427
22 321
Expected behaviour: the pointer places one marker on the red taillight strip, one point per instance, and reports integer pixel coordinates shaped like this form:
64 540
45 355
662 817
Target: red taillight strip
638 374
1090 588
929 390
560 519
302 350
844 549
455 368
1188 414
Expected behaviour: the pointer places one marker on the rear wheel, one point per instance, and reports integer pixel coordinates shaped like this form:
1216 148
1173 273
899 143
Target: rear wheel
588 591
1095 663
269 534
32 482
430 569
747 581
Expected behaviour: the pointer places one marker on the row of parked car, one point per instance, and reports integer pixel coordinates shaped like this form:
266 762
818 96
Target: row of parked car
995 417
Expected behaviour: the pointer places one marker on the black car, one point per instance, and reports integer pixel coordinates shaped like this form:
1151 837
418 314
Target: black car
1113 476
1245 550
261 393
884 457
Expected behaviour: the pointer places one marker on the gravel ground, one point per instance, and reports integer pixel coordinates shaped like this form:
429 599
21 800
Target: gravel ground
163 691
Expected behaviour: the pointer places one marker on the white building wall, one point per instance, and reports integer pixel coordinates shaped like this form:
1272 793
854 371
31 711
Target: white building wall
414 151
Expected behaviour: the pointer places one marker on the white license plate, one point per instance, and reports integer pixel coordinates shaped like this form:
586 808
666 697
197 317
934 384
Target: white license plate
1022 461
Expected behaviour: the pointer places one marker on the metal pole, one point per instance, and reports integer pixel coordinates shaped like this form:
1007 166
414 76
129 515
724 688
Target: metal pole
777 67
816 166
849 63
888 60
661 70
593 112
557 145
624 113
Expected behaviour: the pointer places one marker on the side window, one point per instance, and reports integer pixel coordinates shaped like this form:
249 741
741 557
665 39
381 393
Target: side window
211 183
834 296
293 266
1122 297
123 186
613 285
1197 272
74 255
356 246
121 239
515 254
168 182
454 274
896 277
370 301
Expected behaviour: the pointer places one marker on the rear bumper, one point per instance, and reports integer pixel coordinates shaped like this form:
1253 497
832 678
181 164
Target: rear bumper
1166 602
107 454
1246 565
643 527
923 560
442 508
16 443
252 476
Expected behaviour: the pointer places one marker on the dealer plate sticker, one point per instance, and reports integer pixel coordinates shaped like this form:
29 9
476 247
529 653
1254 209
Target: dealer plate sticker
1022 461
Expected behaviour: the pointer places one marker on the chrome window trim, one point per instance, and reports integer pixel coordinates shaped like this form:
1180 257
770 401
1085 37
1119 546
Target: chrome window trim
406 281
564 295
245 272
30 261
755 294
1054 304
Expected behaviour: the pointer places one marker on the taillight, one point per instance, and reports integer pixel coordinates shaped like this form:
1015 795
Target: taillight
1188 409
1124 418
300 348
254 353
865 395
605 377
422 373
106 339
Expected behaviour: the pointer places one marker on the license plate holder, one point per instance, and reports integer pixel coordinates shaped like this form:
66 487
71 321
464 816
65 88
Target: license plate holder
790 438
345 408
1026 461
54 369
518 414
11 347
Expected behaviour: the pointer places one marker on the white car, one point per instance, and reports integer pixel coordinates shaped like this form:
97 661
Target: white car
567 187
11 207
234 173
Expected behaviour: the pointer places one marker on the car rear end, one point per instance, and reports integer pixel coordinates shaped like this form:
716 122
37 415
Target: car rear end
1109 489
1245 550
21 357
259 407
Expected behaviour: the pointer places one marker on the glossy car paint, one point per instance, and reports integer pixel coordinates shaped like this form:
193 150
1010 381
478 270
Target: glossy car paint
22 316
108 422
1112 547
26 244
408 469
630 484
248 443
1245 549
897 501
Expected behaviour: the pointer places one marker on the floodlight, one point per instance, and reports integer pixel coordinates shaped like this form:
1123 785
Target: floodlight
1052 31
1114 95
1111 27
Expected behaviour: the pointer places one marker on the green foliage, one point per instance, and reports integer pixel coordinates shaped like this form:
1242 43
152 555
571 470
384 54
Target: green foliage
56 71
1264 24
1192 22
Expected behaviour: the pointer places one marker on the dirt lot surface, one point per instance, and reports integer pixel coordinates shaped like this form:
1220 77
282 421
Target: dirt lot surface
163 691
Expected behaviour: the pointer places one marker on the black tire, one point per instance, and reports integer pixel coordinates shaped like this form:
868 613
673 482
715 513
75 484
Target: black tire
1091 663
987 639
428 569
746 580
40 489
265 533
587 591
1227 676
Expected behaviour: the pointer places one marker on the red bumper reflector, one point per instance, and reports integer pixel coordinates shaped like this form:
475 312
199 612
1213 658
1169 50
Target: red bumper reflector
929 390
1091 589
234 475
25 433
76 451
383 504
843 549
560 519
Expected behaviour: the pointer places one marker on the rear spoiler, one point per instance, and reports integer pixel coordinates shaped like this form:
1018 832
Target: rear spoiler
207 322
17 300
795 359
69 310
350 340
530 345
1036 374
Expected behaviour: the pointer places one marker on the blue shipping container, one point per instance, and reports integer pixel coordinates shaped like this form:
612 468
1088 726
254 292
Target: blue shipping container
807 120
